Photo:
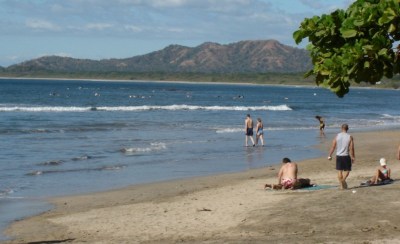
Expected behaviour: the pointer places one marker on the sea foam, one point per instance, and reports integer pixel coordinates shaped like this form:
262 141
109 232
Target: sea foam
174 107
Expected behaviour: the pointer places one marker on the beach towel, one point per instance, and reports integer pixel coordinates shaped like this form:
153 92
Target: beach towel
380 183
317 187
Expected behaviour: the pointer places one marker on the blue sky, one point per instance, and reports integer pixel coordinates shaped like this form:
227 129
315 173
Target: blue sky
101 29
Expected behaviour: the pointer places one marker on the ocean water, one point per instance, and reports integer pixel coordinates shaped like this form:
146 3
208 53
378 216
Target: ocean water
62 137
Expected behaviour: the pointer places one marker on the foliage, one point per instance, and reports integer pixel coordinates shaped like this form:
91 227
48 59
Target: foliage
357 44
253 78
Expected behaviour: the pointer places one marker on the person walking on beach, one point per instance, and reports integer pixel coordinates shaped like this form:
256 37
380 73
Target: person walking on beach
345 155
248 129
259 132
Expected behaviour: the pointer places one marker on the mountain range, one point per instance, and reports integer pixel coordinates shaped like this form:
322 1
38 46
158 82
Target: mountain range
260 56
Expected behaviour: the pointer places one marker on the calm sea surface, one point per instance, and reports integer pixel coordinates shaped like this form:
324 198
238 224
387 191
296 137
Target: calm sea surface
69 137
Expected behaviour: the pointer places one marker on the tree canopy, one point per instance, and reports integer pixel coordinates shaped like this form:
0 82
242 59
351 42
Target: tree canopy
358 44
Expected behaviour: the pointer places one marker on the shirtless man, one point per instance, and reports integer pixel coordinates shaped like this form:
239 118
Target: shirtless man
287 177
248 129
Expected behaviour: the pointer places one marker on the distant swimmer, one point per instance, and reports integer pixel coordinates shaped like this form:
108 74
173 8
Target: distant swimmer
248 129
321 124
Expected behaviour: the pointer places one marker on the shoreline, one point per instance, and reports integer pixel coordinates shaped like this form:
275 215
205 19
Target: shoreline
193 82
159 81
232 207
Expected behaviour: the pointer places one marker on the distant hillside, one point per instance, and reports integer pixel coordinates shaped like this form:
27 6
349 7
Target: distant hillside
242 57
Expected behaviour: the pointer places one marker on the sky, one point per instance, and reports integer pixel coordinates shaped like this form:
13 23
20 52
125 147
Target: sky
103 29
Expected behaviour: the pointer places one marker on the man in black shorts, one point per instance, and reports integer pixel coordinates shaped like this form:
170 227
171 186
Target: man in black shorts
248 129
345 156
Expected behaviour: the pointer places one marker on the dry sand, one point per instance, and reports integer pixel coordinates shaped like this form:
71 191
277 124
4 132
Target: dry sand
234 208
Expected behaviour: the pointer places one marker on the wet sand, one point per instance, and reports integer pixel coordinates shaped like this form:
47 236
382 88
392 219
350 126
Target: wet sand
234 208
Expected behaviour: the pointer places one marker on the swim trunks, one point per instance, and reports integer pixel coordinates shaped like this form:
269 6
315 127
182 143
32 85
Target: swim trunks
343 163
288 183
249 132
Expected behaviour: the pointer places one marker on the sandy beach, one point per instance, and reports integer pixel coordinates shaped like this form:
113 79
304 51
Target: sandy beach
234 208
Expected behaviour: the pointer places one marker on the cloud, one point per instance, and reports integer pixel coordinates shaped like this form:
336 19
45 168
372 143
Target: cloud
98 26
13 58
39 24
188 4
133 28
60 54
167 3
323 5
313 4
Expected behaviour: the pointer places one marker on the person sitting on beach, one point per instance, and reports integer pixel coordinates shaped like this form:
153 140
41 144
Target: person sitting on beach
382 173
287 177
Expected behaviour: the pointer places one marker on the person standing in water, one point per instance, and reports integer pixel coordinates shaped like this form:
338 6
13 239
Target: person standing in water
259 132
321 124
248 129
345 155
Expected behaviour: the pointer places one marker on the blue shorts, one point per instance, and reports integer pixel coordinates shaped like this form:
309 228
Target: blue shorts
343 163
249 132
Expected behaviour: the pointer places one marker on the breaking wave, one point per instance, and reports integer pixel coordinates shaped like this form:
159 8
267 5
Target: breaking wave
282 107
102 168
157 146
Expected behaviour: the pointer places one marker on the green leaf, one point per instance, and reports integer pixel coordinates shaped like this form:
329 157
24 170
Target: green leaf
348 33
298 36
320 33
325 72
358 22
310 72
392 28
386 18
327 55
353 69
382 52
